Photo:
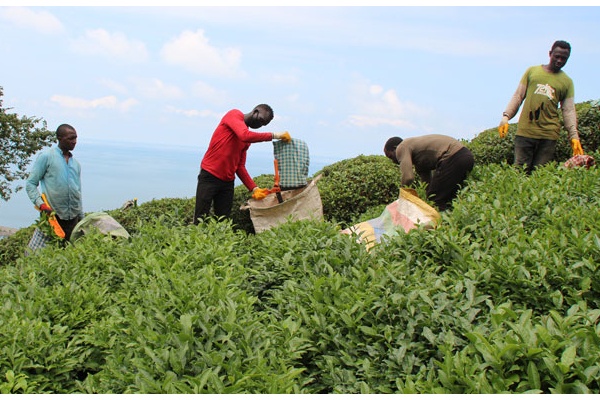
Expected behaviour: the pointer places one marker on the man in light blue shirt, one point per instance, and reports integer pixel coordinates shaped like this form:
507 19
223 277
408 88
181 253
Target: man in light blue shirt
58 174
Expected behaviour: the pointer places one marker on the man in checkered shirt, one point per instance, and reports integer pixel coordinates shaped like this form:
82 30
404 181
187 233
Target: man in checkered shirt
293 160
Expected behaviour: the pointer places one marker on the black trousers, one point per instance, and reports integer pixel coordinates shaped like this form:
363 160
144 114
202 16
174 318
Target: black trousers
212 191
448 177
68 225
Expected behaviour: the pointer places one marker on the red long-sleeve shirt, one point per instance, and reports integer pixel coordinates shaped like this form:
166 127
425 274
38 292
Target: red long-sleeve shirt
226 154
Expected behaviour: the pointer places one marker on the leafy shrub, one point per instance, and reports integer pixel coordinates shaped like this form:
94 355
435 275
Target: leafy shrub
349 187
172 211
488 148
501 297
588 118
13 247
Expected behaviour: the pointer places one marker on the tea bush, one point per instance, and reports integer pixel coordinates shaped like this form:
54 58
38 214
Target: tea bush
13 247
172 211
349 187
501 297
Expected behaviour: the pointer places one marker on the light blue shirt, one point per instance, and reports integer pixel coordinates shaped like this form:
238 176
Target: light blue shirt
59 180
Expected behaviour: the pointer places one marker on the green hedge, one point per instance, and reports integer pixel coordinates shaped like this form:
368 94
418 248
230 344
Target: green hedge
501 298
350 187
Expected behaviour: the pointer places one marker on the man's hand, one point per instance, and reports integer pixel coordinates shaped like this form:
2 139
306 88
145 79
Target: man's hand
259 193
285 136
46 208
503 127
576 146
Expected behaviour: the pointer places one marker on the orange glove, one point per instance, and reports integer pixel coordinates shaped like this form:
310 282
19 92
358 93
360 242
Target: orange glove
285 136
503 127
576 146
259 193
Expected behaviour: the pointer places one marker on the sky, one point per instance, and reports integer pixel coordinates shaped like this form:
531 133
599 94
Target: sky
344 79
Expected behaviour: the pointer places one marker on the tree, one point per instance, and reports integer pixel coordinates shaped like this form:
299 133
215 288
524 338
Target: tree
20 139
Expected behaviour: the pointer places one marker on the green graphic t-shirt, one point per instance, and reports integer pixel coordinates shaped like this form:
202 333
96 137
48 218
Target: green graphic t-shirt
545 91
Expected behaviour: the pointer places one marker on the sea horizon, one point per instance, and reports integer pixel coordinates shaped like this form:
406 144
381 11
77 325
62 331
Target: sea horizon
113 173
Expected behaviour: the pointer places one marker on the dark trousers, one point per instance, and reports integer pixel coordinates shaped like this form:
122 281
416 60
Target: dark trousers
212 191
68 225
533 152
448 177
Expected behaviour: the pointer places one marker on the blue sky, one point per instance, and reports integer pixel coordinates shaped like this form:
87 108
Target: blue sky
344 79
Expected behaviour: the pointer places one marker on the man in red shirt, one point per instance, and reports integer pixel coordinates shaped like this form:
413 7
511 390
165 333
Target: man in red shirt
226 158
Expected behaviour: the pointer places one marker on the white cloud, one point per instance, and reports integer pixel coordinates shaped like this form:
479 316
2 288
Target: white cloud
382 107
108 102
194 113
154 88
41 21
192 51
208 93
114 86
370 121
288 79
111 45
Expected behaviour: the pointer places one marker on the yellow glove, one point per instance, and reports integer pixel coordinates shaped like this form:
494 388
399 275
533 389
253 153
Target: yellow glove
576 146
259 193
285 136
503 127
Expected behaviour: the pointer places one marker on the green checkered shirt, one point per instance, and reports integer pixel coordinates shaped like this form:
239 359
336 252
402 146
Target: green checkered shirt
293 160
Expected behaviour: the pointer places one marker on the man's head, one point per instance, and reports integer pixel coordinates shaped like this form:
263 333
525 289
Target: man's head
66 136
390 148
261 115
559 54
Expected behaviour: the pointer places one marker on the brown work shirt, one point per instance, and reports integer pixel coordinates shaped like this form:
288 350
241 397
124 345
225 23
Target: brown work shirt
424 153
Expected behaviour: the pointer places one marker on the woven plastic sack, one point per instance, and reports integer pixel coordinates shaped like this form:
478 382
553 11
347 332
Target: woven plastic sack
298 204
100 221
406 213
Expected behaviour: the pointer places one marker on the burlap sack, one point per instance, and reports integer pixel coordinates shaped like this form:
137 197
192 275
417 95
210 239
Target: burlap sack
298 204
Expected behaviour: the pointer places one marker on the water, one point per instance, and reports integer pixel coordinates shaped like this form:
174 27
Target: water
112 173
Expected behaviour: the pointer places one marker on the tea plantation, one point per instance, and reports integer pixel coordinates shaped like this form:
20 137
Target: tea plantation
503 297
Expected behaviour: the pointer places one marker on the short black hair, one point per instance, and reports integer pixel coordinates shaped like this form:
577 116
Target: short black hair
63 129
392 143
268 109
562 44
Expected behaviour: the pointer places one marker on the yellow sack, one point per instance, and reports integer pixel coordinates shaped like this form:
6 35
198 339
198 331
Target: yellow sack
408 212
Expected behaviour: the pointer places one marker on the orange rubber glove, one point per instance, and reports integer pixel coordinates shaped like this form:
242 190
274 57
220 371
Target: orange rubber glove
285 136
576 146
503 127
259 193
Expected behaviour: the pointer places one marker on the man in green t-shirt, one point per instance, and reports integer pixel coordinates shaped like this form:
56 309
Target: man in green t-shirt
543 87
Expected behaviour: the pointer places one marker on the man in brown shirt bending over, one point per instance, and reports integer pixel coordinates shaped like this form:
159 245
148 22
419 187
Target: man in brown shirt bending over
441 161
